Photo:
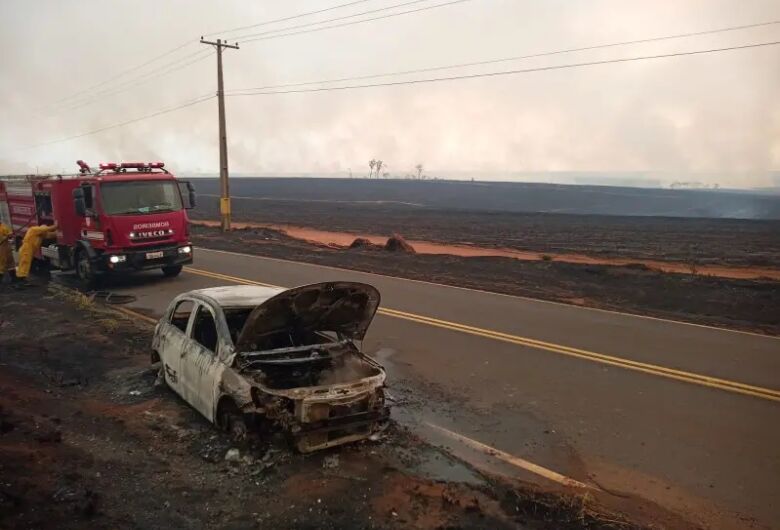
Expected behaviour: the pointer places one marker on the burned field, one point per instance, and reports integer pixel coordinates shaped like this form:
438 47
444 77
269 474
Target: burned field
606 261
641 224
752 305
89 438
517 197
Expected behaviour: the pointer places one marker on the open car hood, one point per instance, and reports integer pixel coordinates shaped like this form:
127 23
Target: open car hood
346 308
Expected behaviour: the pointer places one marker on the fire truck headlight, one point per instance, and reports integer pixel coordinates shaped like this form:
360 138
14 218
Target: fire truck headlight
185 250
117 259
132 235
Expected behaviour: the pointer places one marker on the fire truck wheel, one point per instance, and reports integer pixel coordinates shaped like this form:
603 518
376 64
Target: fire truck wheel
84 271
41 266
171 271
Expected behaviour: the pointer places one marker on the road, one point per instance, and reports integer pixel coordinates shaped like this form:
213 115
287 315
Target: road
683 415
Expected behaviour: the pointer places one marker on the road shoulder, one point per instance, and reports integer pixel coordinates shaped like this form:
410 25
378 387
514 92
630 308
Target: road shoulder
89 438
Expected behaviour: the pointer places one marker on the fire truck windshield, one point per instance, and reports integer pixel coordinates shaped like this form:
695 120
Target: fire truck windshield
140 197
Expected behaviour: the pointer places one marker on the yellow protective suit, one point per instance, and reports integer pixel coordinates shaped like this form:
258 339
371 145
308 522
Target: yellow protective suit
6 256
31 244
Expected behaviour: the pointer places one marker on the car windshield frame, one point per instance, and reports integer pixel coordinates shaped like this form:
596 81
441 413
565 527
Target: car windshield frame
118 200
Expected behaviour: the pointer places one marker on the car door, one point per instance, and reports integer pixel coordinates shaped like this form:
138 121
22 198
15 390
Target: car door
171 340
200 364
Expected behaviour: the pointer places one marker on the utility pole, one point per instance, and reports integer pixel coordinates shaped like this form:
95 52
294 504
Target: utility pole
224 202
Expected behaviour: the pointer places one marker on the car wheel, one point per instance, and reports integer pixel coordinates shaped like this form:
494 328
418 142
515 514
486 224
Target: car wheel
162 379
233 423
173 270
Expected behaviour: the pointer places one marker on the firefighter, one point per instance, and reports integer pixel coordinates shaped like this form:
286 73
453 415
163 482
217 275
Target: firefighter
31 244
6 256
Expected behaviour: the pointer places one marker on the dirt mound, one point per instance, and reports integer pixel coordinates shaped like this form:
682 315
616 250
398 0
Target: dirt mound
363 243
750 305
397 243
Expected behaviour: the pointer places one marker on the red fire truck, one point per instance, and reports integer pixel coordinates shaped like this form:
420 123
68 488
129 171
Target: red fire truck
123 217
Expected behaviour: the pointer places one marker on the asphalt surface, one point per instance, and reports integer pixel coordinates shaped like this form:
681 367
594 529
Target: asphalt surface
584 393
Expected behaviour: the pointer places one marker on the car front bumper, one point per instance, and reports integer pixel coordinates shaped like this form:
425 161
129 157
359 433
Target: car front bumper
329 422
337 431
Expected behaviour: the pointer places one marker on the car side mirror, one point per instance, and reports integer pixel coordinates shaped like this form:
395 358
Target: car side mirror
187 191
79 202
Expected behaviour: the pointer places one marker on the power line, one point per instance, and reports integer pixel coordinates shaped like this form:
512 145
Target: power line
190 103
309 24
173 50
390 15
395 83
516 58
178 65
415 81
151 76
511 72
300 15
122 73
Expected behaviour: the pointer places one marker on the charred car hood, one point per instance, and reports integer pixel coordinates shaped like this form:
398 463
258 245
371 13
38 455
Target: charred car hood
346 308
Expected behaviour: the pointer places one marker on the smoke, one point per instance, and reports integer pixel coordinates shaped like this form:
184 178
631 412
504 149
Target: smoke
716 115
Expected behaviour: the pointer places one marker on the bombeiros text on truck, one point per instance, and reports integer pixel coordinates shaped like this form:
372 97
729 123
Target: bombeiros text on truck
123 217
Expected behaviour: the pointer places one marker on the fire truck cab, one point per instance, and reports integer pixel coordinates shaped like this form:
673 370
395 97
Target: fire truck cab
123 217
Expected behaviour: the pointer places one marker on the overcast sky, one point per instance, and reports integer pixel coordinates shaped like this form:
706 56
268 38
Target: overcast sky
716 113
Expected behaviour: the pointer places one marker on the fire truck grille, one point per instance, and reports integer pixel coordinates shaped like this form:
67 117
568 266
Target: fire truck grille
147 240
150 246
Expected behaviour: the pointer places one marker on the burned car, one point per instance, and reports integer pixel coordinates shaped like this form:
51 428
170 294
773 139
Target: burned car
259 357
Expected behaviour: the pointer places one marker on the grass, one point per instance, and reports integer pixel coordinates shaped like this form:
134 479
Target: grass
111 325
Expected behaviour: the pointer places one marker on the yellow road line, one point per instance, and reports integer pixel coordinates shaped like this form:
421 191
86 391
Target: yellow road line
681 375
234 279
136 314
661 371
511 459
493 293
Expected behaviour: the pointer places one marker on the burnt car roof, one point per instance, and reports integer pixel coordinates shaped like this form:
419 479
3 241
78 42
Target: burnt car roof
237 295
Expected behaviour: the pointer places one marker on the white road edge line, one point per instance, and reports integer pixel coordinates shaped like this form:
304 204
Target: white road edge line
538 300
512 459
